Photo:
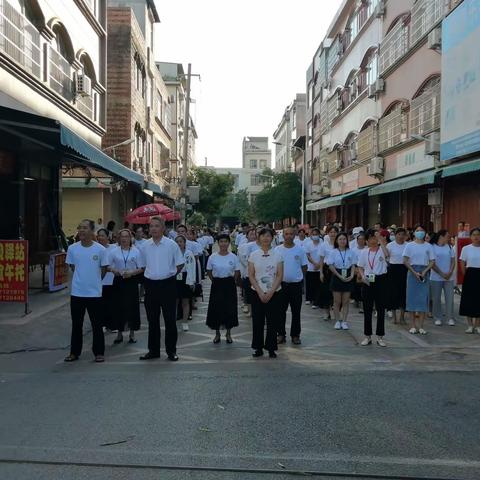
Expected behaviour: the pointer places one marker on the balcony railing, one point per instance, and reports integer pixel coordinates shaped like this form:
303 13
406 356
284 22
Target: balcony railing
324 125
425 112
366 144
333 108
19 39
425 14
394 46
392 129
333 161
61 78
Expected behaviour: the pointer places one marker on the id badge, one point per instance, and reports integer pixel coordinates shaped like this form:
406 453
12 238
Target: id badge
371 278
344 273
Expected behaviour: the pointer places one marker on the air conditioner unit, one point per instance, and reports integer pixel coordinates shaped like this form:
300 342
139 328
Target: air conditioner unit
371 91
379 85
435 197
435 39
380 9
432 143
376 167
83 85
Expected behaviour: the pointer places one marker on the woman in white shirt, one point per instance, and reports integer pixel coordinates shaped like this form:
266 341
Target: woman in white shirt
470 265
342 263
244 251
372 265
185 282
223 269
265 271
419 258
312 278
126 264
441 278
108 303
325 297
397 276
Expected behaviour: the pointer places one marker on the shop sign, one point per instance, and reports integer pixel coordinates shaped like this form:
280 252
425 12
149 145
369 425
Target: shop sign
14 271
57 272
413 160
336 187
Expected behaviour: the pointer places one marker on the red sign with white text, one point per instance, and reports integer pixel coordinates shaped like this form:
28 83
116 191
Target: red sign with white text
14 271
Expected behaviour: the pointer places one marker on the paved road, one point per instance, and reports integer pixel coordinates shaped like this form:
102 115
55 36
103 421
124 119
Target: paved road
327 406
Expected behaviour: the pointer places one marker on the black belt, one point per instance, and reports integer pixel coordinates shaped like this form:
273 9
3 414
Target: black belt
292 283
162 280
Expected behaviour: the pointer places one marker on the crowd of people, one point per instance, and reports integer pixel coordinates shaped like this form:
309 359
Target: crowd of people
381 271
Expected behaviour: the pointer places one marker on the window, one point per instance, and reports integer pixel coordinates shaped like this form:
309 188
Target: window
392 128
425 108
372 69
310 95
255 180
349 152
395 43
253 163
263 164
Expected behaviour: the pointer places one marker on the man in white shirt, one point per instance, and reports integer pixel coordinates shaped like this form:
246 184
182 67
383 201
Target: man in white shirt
164 260
294 267
89 262
139 237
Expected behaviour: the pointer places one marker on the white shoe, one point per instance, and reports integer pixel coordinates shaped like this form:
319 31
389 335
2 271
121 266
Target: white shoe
185 327
345 326
438 323
314 307
478 330
366 341
380 342
390 314
308 302
413 331
422 331
245 309
469 330
338 326
451 322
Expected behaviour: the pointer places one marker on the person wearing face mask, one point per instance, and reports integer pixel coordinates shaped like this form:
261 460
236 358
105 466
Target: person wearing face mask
397 276
312 277
419 259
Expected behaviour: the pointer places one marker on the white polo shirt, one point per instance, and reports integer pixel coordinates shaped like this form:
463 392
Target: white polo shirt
223 266
161 259
294 259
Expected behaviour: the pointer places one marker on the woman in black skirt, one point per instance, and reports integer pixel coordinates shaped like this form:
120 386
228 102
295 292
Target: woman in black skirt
108 304
470 265
342 263
126 264
185 281
223 269
325 297
397 276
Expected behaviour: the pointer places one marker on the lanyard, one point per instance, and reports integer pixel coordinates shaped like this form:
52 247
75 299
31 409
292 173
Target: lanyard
343 257
372 264
125 258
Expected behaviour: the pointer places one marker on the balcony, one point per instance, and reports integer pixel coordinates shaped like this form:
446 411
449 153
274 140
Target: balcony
332 161
61 75
394 45
19 39
425 112
425 14
333 109
392 129
366 144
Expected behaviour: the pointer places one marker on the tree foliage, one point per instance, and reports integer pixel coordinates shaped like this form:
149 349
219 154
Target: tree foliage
237 206
281 199
197 219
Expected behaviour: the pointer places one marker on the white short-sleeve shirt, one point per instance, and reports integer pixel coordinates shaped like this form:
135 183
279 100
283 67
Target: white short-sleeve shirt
341 259
443 259
396 252
420 254
372 262
266 266
471 256
107 280
161 259
130 259
223 266
88 262
315 252
294 258
140 243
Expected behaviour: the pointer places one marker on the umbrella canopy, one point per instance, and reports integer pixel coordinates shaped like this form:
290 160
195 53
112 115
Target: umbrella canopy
171 216
143 214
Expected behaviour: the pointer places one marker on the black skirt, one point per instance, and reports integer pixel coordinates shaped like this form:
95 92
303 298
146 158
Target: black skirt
470 300
338 285
325 297
127 303
222 305
184 290
397 287
312 285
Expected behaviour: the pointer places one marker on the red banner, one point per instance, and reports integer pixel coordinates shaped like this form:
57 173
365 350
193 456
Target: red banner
14 271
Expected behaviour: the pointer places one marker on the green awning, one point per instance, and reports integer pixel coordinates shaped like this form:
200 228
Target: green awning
359 191
404 183
76 182
461 168
153 187
325 203
96 157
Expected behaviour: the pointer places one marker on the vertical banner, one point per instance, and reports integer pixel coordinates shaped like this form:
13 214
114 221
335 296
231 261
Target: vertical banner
57 272
14 271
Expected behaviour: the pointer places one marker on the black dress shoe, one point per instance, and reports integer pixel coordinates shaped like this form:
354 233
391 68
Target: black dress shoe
117 341
272 354
173 358
257 353
149 356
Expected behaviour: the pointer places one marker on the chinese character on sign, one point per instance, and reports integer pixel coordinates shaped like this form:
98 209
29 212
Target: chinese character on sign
14 271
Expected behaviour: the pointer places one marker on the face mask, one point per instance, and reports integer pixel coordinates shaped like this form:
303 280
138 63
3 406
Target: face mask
420 235
392 238
315 238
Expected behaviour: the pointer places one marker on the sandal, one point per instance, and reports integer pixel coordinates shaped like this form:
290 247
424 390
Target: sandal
217 339
70 358
229 338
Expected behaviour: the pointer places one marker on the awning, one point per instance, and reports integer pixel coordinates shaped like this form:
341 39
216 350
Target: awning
52 135
461 168
359 191
325 203
153 187
404 183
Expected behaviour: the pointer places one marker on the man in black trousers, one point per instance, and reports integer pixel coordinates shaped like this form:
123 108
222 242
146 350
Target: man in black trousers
163 260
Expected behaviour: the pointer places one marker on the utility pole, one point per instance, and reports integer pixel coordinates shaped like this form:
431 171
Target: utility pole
186 127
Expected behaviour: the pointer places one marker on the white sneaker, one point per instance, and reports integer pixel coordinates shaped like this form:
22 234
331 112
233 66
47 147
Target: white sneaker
422 331
345 326
314 307
380 342
338 326
469 330
245 309
308 302
438 323
451 322
185 327
366 341
413 331
390 314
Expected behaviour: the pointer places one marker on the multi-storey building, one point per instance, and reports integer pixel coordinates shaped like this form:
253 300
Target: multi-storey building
290 128
52 115
255 153
374 114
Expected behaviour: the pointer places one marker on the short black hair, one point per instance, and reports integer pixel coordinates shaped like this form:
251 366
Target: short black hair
315 229
370 233
91 223
181 225
332 227
223 236
474 229
400 230
419 225
264 231
244 224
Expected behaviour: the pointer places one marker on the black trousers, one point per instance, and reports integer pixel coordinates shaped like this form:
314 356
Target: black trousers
265 313
291 294
161 297
312 286
375 294
78 306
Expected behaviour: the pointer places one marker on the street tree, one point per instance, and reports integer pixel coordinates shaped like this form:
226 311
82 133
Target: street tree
237 207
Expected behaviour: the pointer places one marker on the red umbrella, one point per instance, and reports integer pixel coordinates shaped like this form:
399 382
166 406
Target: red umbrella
145 212
171 216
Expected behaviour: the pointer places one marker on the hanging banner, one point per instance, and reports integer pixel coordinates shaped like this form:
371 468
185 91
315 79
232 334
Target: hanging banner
14 271
57 272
